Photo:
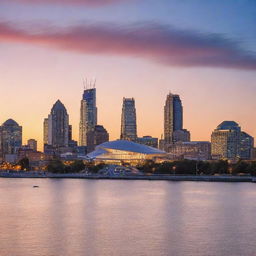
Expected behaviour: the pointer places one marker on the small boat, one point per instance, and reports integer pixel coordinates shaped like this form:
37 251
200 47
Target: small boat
35 186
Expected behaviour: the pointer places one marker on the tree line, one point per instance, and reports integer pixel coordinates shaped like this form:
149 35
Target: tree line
191 167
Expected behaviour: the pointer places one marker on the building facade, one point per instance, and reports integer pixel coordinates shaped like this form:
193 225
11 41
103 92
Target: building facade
173 122
194 150
181 136
148 141
88 115
225 141
10 138
96 136
45 126
128 120
58 126
173 117
246 146
32 144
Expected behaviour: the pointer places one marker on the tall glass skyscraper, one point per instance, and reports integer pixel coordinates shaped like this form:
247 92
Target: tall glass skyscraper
128 120
88 115
58 126
173 117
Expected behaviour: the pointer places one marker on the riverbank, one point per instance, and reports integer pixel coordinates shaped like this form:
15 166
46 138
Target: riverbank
219 178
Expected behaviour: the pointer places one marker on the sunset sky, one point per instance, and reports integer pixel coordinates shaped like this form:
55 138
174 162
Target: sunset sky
205 51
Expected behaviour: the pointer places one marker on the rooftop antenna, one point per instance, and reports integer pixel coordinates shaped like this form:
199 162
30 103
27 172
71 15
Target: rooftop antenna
84 83
94 84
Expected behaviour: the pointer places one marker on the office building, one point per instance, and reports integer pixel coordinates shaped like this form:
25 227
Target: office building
128 120
96 136
32 144
88 115
246 146
225 141
173 121
58 126
181 136
193 150
148 141
10 138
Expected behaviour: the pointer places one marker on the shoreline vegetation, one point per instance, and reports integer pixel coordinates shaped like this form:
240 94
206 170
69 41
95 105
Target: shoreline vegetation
182 170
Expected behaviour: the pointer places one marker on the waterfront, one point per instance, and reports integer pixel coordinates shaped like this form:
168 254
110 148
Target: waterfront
109 217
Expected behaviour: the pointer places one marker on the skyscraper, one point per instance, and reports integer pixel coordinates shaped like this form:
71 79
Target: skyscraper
10 137
128 120
173 120
88 115
58 126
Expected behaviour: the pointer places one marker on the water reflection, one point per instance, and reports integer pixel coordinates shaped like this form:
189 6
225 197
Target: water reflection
97 217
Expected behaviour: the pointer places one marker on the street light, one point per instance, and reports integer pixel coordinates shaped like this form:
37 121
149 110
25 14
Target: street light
174 168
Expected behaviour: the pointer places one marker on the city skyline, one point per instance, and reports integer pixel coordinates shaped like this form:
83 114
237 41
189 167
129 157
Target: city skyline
45 121
211 64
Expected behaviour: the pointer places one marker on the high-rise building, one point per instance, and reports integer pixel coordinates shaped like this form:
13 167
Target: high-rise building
32 144
225 141
128 120
46 131
246 146
58 126
96 136
173 121
10 138
88 115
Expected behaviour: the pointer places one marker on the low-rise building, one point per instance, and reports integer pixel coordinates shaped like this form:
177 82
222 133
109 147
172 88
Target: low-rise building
32 144
194 150
148 141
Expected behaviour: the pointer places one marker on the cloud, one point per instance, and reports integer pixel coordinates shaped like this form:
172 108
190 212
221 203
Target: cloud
154 42
92 3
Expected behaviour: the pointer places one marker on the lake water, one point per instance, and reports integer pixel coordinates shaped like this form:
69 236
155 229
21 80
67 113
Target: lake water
115 217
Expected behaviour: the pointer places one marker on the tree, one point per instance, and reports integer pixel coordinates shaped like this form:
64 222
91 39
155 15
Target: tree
56 166
96 168
219 167
252 168
77 166
24 163
241 167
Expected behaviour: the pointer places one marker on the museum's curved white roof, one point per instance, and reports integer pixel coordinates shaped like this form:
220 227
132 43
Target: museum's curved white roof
125 145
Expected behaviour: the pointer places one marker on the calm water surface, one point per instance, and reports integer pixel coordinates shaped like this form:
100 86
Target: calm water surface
104 217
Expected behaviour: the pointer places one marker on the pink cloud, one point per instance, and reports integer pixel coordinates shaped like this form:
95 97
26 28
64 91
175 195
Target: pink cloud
72 2
156 43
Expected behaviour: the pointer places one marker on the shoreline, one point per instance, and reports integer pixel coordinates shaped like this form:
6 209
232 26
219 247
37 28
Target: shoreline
205 178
